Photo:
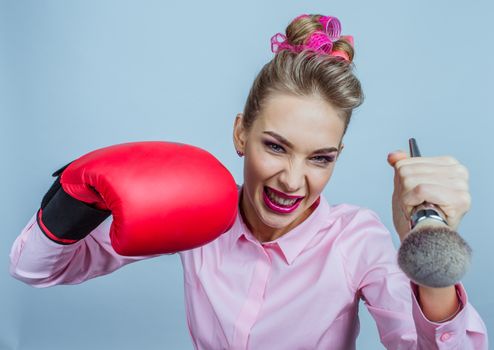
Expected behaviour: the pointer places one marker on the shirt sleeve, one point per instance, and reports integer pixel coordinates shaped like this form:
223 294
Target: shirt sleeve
40 262
389 296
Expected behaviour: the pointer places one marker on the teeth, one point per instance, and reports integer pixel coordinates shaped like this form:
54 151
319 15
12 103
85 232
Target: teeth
281 201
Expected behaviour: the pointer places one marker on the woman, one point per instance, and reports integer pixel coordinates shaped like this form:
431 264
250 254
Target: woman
290 271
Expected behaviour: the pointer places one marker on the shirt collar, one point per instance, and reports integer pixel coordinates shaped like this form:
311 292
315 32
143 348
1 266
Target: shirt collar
291 243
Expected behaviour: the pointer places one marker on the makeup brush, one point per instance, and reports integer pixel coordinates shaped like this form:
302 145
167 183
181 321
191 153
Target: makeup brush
432 254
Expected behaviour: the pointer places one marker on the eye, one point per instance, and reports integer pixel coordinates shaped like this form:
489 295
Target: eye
274 147
324 159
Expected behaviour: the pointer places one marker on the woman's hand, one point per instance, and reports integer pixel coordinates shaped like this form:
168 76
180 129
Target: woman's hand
442 181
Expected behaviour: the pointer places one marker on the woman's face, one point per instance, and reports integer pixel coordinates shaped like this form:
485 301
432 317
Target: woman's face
290 153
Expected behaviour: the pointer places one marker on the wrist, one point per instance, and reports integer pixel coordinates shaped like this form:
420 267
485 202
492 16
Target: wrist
66 220
439 304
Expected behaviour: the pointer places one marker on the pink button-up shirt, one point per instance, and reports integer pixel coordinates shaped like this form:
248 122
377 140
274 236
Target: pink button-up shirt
300 291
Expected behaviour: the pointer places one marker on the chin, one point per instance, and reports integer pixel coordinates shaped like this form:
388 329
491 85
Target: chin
276 220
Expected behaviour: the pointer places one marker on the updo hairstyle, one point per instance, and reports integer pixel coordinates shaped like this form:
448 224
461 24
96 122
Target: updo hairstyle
307 73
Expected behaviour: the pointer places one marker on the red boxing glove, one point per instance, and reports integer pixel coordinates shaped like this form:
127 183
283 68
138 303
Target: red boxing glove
164 197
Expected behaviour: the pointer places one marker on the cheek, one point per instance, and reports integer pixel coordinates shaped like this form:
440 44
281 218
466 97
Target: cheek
320 179
261 166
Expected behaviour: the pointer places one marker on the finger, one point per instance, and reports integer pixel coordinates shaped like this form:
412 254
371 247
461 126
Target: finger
449 200
439 161
417 173
446 184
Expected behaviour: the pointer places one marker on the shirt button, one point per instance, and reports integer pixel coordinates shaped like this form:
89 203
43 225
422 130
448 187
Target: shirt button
445 336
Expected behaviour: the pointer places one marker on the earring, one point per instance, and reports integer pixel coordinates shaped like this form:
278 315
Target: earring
240 154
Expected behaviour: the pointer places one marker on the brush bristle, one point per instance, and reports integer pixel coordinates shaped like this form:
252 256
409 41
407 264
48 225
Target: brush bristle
434 256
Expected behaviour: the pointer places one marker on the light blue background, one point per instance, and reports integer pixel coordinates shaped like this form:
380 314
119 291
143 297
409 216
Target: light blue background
79 75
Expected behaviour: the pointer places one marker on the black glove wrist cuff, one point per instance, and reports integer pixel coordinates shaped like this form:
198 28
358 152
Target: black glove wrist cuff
66 220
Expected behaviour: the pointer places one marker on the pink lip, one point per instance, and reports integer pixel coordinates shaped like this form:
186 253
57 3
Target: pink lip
279 209
282 195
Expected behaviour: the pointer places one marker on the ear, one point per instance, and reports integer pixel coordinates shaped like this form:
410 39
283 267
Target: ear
239 133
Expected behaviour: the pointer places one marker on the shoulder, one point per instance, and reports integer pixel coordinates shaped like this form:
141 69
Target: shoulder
363 242
357 229
352 219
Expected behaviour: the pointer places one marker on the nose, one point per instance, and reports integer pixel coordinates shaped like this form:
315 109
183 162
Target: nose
293 176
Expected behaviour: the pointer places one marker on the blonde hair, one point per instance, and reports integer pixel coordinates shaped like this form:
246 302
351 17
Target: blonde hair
307 73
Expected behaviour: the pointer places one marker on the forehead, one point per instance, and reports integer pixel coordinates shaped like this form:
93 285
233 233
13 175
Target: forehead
301 119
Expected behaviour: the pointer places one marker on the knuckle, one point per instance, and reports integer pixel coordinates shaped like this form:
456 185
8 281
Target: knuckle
463 171
404 171
420 190
450 160
467 199
398 166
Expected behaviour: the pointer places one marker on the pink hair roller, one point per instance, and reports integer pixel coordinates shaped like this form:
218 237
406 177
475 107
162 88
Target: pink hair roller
332 27
319 41
339 53
348 38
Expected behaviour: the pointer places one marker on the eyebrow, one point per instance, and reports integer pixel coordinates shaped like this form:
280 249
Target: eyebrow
289 144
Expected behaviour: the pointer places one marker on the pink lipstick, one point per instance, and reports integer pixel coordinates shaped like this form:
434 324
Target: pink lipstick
277 207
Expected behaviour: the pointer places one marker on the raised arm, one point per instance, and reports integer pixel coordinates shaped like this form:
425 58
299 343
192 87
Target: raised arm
163 198
392 299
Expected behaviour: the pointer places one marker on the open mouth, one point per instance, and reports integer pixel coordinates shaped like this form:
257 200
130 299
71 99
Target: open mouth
280 204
